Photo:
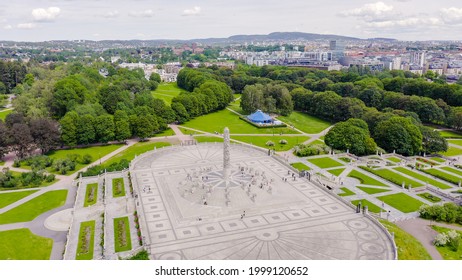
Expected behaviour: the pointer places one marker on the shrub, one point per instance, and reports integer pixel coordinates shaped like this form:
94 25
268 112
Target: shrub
453 240
270 143
64 165
283 141
16 163
86 159
441 239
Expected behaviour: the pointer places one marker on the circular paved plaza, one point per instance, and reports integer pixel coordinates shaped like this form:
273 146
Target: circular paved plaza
187 210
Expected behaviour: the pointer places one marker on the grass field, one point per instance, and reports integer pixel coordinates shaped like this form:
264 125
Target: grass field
456 142
452 151
318 142
346 192
452 170
401 202
336 171
8 198
122 238
22 244
118 187
20 186
167 132
96 152
166 92
409 248
443 175
364 179
324 162
91 195
446 251
372 190
371 206
394 159
300 166
212 139
86 242
438 159
450 134
305 122
423 178
395 177
34 207
217 121
137 149
5 113
429 197
260 141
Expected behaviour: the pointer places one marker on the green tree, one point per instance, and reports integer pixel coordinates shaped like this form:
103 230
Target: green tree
68 127
45 133
86 129
104 128
352 135
399 134
432 141
67 93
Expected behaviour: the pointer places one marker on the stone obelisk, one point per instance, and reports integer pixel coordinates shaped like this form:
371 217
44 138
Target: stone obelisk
226 157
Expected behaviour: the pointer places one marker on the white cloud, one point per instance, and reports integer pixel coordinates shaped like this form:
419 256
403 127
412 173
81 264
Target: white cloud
111 14
46 15
372 12
28 25
7 27
452 15
147 13
192 12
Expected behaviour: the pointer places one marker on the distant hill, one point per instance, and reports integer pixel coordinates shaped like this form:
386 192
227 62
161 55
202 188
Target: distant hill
290 36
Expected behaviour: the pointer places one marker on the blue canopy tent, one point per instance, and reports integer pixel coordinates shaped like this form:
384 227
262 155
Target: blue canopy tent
260 117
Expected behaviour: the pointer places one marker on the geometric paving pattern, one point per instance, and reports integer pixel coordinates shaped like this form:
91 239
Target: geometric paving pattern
295 220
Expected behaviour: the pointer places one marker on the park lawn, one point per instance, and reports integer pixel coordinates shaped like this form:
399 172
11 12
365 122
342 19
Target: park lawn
122 238
371 206
364 179
456 142
260 141
452 170
300 166
346 192
5 113
188 131
324 162
118 192
409 248
137 149
86 246
336 171
452 151
167 132
217 121
8 198
443 175
91 189
96 152
401 202
372 190
445 251
318 142
212 139
2 163
429 197
394 177
450 134
22 244
423 178
394 159
305 122
35 207
438 159
167 91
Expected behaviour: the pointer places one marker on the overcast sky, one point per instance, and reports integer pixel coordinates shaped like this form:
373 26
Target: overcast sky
41 20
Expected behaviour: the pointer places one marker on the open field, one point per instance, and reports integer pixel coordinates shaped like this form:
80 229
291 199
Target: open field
305 122
402 202
346 192
34 207
364 179
423 178
8 198
372 190
394 177
217 121
300 166
86 242
371 206
122 238
409 248
166 92
261 141
137 149
22 244
324 162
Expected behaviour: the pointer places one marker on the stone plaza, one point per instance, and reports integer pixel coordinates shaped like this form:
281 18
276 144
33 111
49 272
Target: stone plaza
193 206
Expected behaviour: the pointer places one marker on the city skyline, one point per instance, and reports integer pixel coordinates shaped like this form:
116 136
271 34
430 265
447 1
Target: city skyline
27 20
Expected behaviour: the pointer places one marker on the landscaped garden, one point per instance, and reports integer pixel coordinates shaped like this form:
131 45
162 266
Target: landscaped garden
278 143
86 242
300 166
34 207
371 206
324 162
11 197
91 195
336 171
452 170
393 177
305 122
372 190
450 134
423 178
122 238
364 179
118 187
346 192
452 151
401 202
443 175
22 244
137 149
429 197
394 159
452 247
